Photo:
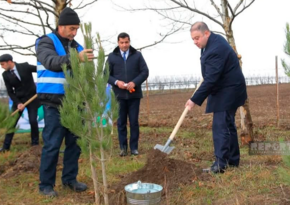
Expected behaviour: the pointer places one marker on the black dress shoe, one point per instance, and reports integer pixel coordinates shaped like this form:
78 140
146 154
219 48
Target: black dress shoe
123 153
76 186
134 152
3 150
48 191
214 169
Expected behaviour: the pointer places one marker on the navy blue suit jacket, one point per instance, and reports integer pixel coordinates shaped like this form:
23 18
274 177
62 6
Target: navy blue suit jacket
224 83
134 69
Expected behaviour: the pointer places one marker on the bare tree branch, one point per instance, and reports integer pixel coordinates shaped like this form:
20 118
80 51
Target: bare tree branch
85 5
19 20
185 2
225 12
172 19
149 9
197 11
233 12
237 6
216 7
221 33
42 24
47 18
14 20
17 31
24 54
15 48
18 11
69 1
245 7
17 24
171 32
29 4
79 4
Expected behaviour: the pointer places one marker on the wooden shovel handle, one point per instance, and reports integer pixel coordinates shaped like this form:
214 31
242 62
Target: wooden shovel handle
177 126
25 104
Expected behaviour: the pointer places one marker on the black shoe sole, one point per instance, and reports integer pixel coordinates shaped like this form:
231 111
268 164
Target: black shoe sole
71 188
221 171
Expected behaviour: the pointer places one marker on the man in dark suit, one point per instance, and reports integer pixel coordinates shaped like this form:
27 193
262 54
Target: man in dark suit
224 86
128 70
20 87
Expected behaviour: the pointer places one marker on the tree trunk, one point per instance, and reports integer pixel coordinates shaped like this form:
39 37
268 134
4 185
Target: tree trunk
95 178
103 160
58 7
105 183
246 118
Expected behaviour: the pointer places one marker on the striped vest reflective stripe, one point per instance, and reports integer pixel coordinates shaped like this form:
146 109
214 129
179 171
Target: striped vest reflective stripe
49 81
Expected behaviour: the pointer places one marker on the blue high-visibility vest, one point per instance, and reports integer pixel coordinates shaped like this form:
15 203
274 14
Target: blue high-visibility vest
49 81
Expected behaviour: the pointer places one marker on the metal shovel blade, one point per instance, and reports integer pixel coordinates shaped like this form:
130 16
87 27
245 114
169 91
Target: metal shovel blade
165 149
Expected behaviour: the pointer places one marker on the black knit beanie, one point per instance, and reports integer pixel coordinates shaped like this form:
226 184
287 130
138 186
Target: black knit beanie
68 17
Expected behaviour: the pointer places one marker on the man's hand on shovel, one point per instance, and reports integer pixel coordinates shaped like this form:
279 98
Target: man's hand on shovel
189 104
20 106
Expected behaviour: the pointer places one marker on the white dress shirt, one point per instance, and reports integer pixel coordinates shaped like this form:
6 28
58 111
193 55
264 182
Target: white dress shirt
122 54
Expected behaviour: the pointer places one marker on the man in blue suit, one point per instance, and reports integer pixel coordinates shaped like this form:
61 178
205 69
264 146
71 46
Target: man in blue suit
224 86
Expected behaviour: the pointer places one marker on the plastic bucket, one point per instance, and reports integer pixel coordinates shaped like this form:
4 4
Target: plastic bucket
143 193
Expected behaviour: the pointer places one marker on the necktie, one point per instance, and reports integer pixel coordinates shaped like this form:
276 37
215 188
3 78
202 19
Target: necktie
12 73
124 56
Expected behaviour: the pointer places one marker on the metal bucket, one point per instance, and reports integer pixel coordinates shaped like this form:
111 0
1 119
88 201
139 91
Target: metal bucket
143 193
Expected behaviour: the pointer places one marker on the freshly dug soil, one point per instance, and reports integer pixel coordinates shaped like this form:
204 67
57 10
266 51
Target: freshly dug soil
159 169
27 161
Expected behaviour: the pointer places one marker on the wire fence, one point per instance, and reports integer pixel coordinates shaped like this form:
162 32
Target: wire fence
179 83
168 84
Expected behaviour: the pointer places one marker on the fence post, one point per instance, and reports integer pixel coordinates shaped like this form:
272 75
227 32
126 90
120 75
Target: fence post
277 90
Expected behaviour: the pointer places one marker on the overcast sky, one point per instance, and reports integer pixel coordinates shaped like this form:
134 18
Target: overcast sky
259 34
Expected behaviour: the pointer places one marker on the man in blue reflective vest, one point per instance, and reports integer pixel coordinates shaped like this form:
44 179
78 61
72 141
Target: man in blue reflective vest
52 52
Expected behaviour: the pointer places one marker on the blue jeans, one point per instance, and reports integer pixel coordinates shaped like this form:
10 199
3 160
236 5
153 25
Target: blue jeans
53 135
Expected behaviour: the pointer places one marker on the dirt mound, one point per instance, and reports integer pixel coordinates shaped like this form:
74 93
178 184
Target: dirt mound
27 161
159 169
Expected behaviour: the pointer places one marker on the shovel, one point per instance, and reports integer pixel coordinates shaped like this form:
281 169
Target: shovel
166 148
26 103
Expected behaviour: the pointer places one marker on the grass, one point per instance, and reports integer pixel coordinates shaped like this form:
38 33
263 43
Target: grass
257 181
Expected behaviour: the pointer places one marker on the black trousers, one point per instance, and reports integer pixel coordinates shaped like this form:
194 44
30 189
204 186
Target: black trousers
32 115
225 138
128 108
